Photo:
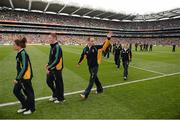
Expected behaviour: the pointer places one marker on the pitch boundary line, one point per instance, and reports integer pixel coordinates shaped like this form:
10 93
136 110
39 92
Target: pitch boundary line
105 87
147 70
152 71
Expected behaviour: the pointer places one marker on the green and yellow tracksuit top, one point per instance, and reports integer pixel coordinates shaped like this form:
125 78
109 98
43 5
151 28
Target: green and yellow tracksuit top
55 57
23 66
94 53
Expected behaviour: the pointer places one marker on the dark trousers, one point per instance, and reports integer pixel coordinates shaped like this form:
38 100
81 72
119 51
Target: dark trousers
135 48
93 79
25 94
55 82
150 49
117 61
125 66
141 49
106 54
174 49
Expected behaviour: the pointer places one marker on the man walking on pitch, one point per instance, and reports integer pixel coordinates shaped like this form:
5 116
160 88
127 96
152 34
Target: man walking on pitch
126 56
117 55
93 55
54 70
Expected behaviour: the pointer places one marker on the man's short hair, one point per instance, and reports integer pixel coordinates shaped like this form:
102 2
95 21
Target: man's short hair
53 35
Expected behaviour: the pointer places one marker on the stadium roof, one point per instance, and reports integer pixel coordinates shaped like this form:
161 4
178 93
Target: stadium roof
72 10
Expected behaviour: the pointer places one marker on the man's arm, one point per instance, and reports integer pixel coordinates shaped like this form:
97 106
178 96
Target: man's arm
83 56
130 55
58 55
106 43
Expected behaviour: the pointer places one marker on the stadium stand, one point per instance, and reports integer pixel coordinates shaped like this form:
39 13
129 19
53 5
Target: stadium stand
74 30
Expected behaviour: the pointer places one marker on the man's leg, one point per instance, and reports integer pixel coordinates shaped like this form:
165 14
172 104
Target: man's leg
59 85
118 63
108 54
50 83
125 65
97 82
91 82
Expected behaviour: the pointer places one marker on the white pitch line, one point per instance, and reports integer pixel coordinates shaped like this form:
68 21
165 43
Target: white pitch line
105 87
147 70
152 71
141 80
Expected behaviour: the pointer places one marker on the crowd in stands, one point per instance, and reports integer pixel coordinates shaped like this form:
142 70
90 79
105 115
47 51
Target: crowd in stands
22 16
37 38
7 38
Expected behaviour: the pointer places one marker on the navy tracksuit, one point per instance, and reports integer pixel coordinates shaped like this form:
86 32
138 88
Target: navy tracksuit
55 66
126 55
93 56
23 89
117 55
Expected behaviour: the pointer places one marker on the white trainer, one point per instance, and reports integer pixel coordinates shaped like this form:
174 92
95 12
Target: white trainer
83 97
27 112
57 101
21 110
52 99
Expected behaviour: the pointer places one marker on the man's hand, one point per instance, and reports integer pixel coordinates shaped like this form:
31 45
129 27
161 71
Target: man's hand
46 66
47 71
15 82
109 35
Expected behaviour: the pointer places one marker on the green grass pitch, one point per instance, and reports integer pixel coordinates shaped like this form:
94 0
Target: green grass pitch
155 98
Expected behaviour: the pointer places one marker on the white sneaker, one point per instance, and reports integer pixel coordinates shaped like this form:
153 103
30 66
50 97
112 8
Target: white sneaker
52 99
27 112
21 110
83 97
57 101
125 78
